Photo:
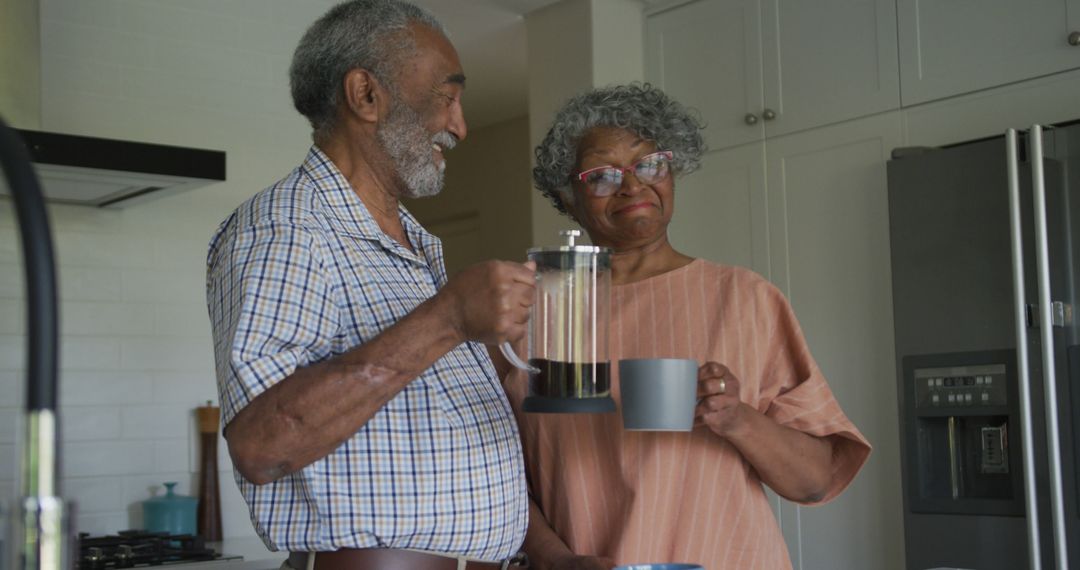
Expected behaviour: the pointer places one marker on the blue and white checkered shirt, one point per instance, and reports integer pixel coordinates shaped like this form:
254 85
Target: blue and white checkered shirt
301 273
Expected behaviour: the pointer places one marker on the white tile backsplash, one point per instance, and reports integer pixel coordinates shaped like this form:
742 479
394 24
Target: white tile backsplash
111 319
106 388
11 273
165 353
190 388
166 286
11 387
173 455
94 494
168 319
9 423
143 422
93 249
89 353
9 461
89 423
12 316
12 351
96 458
89 284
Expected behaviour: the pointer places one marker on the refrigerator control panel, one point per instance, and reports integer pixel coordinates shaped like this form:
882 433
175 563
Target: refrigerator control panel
961 386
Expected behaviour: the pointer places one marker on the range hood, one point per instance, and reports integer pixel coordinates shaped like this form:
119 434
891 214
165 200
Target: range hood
104 173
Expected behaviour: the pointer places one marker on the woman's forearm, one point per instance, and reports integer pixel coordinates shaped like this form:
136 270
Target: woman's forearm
543 546
796 465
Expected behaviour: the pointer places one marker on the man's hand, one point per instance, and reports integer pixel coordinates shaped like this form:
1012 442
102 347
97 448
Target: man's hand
489 302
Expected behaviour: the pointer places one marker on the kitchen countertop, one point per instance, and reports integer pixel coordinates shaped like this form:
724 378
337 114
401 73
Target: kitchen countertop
254 553
234 564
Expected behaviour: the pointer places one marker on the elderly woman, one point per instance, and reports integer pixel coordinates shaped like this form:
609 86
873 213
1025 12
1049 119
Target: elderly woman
605 496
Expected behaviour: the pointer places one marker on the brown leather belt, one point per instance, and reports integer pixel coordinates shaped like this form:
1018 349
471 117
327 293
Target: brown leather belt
393 559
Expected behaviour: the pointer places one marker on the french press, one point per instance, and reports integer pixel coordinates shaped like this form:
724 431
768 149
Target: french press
569 370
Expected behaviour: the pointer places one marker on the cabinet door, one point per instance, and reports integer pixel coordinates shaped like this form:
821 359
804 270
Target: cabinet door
829 251
707 54
959 46
827 61
720 209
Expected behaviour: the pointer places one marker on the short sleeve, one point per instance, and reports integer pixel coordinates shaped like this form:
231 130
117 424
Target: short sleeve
795 394
271 307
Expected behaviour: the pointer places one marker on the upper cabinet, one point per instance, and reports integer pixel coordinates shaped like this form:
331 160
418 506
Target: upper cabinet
959 46
707 55
759 68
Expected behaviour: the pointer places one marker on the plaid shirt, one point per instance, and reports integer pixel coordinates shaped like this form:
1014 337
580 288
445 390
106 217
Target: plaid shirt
300 273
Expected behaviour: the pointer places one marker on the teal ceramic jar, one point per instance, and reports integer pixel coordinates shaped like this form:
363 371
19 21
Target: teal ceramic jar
170 513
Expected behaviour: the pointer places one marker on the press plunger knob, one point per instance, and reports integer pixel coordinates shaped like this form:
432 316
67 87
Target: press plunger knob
569 235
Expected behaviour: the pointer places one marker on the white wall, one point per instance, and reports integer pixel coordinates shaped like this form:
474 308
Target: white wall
136 353
575 45
20 100
483 213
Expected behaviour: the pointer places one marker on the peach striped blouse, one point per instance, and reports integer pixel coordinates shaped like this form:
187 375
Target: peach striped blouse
685 497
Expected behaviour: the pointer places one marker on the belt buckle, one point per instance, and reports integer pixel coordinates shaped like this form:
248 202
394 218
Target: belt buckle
519 560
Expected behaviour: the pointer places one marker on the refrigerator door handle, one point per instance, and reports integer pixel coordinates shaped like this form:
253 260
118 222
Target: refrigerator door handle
1062 314
1022 370
1046 330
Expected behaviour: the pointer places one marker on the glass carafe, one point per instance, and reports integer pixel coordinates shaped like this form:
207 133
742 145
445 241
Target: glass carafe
569 368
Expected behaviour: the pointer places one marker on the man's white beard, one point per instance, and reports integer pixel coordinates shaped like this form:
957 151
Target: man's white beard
408 143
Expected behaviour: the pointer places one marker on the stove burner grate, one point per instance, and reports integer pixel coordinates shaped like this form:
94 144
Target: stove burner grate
130 548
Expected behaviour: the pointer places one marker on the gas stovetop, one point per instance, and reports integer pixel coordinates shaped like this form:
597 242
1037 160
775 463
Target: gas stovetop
130 548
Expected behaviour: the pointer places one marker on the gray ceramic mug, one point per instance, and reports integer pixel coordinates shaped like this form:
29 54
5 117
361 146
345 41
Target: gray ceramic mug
658 394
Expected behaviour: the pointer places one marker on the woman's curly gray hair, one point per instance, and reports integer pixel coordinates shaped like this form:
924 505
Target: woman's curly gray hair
639 108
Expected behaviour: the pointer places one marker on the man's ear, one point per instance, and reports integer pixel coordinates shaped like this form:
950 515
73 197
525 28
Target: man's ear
362 94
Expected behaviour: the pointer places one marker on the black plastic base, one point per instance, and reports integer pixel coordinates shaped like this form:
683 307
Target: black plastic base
546 405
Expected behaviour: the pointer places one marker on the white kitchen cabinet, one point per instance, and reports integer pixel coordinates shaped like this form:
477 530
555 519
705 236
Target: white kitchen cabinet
707 54
953 47
760 68
810 212
720 209
1045 101
829 252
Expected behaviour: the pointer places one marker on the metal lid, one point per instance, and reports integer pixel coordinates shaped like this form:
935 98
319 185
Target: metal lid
569 246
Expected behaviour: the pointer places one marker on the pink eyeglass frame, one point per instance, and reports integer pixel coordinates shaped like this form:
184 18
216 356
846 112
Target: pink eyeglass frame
629 169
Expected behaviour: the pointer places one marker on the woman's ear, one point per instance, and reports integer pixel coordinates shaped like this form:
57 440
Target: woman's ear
361 94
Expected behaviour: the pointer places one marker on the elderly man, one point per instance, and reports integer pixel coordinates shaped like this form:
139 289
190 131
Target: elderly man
364 418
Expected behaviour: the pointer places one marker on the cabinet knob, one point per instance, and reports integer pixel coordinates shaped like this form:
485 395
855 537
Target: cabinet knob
768 114
750 119
1074 39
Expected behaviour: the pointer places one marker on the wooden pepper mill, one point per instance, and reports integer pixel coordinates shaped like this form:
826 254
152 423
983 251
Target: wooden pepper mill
209 511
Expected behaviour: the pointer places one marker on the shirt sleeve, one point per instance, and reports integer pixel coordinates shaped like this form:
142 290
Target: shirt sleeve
795 394
271 308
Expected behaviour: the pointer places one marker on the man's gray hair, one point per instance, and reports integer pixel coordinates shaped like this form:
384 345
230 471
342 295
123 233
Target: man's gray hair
639 108
366 34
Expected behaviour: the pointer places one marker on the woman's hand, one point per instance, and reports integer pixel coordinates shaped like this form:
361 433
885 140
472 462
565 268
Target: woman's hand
719 406
797 465
583 563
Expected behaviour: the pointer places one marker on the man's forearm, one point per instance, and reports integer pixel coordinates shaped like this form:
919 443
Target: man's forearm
307 415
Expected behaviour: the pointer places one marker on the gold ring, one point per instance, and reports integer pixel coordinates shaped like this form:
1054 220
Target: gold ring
723 386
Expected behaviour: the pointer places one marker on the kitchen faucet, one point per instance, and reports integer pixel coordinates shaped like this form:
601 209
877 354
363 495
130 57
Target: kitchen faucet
40 537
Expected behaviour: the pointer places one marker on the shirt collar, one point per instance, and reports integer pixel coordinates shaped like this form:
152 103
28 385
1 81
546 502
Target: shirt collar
349 215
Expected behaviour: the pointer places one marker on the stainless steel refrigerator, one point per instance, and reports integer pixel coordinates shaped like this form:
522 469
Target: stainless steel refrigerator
985 240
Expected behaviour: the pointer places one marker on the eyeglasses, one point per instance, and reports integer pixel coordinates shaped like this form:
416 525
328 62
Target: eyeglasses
606 180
